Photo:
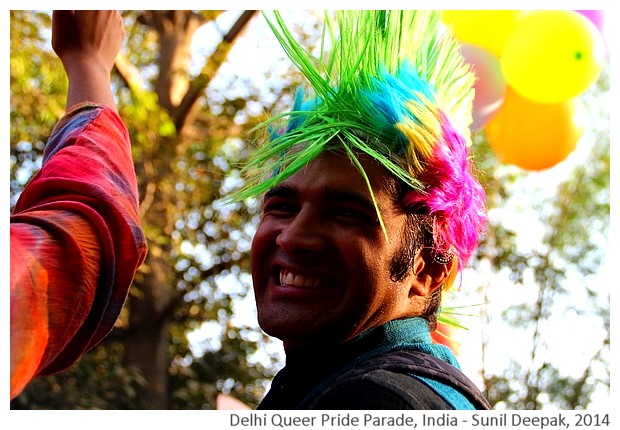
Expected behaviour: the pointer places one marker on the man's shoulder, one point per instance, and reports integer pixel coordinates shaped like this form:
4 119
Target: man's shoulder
403 379
379 389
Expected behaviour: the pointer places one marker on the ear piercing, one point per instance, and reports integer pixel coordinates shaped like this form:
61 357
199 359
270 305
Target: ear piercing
443 258
439 257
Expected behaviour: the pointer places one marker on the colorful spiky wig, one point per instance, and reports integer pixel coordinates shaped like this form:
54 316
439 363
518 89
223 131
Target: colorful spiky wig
392 85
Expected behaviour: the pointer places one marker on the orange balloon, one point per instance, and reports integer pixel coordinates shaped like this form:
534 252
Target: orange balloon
532 135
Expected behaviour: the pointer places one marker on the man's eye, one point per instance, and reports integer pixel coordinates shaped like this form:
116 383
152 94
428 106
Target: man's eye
349 213
278 207
352 215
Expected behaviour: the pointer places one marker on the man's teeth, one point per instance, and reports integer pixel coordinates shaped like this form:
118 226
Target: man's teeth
295 280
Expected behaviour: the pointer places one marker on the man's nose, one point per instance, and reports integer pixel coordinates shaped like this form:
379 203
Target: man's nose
302 234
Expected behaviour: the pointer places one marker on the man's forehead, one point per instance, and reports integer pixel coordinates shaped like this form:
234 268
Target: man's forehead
334 177
327 192
338 165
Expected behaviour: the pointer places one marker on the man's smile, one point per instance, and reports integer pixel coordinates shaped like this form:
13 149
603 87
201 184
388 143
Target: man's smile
291 279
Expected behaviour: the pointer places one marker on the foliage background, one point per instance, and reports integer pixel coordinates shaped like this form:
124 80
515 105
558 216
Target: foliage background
190 84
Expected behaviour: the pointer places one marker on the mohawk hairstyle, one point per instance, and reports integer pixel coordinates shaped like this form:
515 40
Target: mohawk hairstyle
392 85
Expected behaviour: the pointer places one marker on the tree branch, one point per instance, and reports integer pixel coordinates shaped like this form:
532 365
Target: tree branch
208 71
129 75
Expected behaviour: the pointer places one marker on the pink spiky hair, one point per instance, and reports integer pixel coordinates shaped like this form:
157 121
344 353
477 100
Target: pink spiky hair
452 195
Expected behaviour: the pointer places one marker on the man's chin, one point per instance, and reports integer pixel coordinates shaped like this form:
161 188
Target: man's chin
293 333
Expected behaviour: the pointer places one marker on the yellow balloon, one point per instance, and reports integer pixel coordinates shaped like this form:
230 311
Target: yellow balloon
531 135
488 29
553 55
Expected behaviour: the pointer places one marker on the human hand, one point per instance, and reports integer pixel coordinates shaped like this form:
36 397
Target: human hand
87 42
87 38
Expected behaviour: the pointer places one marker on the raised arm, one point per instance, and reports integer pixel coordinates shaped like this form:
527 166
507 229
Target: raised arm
76 240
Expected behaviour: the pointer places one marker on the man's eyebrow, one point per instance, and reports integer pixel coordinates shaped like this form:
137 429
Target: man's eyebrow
281 190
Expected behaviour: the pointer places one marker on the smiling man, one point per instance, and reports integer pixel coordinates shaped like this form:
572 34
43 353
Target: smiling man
370 209
323 269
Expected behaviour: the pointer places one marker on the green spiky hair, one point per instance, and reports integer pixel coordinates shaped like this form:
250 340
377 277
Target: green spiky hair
386 83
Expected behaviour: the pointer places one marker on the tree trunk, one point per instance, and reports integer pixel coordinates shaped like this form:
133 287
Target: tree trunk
151 304
148 339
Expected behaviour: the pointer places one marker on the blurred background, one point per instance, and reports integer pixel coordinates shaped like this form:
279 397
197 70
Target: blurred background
534 302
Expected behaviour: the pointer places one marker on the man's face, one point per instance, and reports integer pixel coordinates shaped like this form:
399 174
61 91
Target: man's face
320 260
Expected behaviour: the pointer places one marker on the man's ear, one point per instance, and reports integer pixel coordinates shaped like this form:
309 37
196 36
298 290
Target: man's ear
428 274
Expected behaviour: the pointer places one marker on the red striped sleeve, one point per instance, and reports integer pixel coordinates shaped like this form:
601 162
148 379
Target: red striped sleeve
76 244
